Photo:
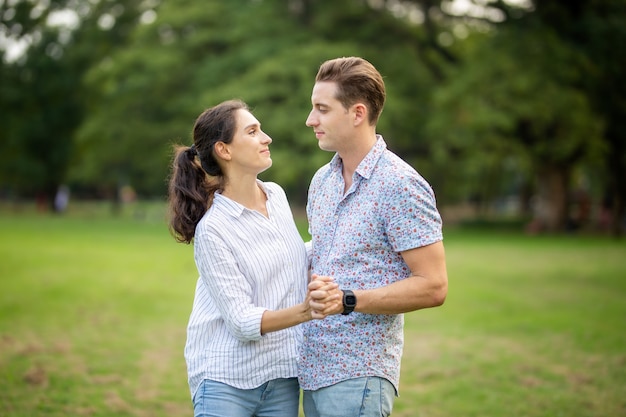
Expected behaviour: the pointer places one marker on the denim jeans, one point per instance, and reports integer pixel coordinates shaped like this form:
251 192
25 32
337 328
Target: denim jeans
276 398
360 397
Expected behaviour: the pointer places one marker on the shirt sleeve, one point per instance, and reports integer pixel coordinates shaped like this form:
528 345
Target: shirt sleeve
412 217
229 289
309 253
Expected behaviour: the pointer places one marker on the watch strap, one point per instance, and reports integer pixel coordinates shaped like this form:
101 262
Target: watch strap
349 302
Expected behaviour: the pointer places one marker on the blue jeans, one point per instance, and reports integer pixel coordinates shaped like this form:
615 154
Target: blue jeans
360 397
276 398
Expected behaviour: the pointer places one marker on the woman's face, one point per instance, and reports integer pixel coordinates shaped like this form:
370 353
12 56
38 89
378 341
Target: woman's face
249 150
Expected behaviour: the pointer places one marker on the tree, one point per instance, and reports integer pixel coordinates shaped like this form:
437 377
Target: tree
38 105
195 55
584 39
516 95
42 96
462 88
596 28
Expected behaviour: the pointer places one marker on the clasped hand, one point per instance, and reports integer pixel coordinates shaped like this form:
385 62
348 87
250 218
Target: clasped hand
324 297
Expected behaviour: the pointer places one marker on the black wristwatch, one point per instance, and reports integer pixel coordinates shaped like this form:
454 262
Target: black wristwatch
349 302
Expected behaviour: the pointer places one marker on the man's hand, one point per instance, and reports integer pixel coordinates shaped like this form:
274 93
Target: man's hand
325 297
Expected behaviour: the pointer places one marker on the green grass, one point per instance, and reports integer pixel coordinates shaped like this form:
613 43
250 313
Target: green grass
532 326
92 318
93 312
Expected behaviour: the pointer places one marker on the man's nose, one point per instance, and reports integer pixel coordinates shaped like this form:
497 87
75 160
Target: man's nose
311 120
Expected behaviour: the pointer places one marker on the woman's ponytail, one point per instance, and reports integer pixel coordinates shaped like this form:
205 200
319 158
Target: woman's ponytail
195 173
190 193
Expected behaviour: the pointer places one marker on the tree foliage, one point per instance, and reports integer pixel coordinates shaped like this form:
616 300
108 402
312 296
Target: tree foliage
520 103
199 55
42 96
497 98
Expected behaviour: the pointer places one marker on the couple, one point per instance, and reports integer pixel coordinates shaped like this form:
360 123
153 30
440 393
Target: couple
260 329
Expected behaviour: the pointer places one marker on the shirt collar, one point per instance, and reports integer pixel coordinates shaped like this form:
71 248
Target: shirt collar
366 166
234 208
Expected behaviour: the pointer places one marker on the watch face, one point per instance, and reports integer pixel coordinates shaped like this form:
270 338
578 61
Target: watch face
350 300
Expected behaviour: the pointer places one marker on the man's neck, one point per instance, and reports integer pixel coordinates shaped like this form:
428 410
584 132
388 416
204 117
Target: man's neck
352 157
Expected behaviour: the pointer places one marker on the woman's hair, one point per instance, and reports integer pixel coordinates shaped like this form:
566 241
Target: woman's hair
195 173
357 81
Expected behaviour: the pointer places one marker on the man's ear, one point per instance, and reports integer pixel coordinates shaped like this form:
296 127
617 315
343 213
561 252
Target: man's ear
222 151
360 113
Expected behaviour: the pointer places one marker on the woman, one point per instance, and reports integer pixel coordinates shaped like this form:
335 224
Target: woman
242 336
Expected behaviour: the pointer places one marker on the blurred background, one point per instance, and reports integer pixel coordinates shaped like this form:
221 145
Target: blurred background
511 109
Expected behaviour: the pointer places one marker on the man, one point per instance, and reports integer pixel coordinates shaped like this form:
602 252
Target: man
376 229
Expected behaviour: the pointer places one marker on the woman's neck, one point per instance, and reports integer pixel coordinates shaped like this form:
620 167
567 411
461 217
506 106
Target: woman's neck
247 193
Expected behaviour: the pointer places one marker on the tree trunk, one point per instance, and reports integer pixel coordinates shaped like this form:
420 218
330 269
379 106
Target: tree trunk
551 206
617 217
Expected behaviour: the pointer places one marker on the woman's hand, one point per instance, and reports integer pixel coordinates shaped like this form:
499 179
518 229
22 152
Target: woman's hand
324 297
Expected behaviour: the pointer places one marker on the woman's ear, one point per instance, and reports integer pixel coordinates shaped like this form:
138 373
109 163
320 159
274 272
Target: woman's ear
222 151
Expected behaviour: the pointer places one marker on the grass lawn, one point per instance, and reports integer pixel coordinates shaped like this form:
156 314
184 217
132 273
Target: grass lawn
93 312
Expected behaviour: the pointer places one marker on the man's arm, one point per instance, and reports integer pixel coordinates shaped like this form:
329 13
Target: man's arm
426 287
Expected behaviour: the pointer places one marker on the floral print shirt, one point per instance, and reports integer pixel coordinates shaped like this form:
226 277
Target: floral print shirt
357 238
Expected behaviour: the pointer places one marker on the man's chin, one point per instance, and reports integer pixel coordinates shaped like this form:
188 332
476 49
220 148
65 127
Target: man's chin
325 147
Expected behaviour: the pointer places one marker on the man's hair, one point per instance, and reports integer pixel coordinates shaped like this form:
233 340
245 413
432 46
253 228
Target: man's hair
357 81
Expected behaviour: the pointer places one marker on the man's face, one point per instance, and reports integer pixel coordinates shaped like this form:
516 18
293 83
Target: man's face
328 118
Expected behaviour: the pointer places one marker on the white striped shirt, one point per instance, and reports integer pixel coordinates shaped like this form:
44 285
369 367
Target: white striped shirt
247 264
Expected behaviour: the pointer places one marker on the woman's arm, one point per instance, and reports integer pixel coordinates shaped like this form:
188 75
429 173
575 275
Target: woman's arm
274 320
